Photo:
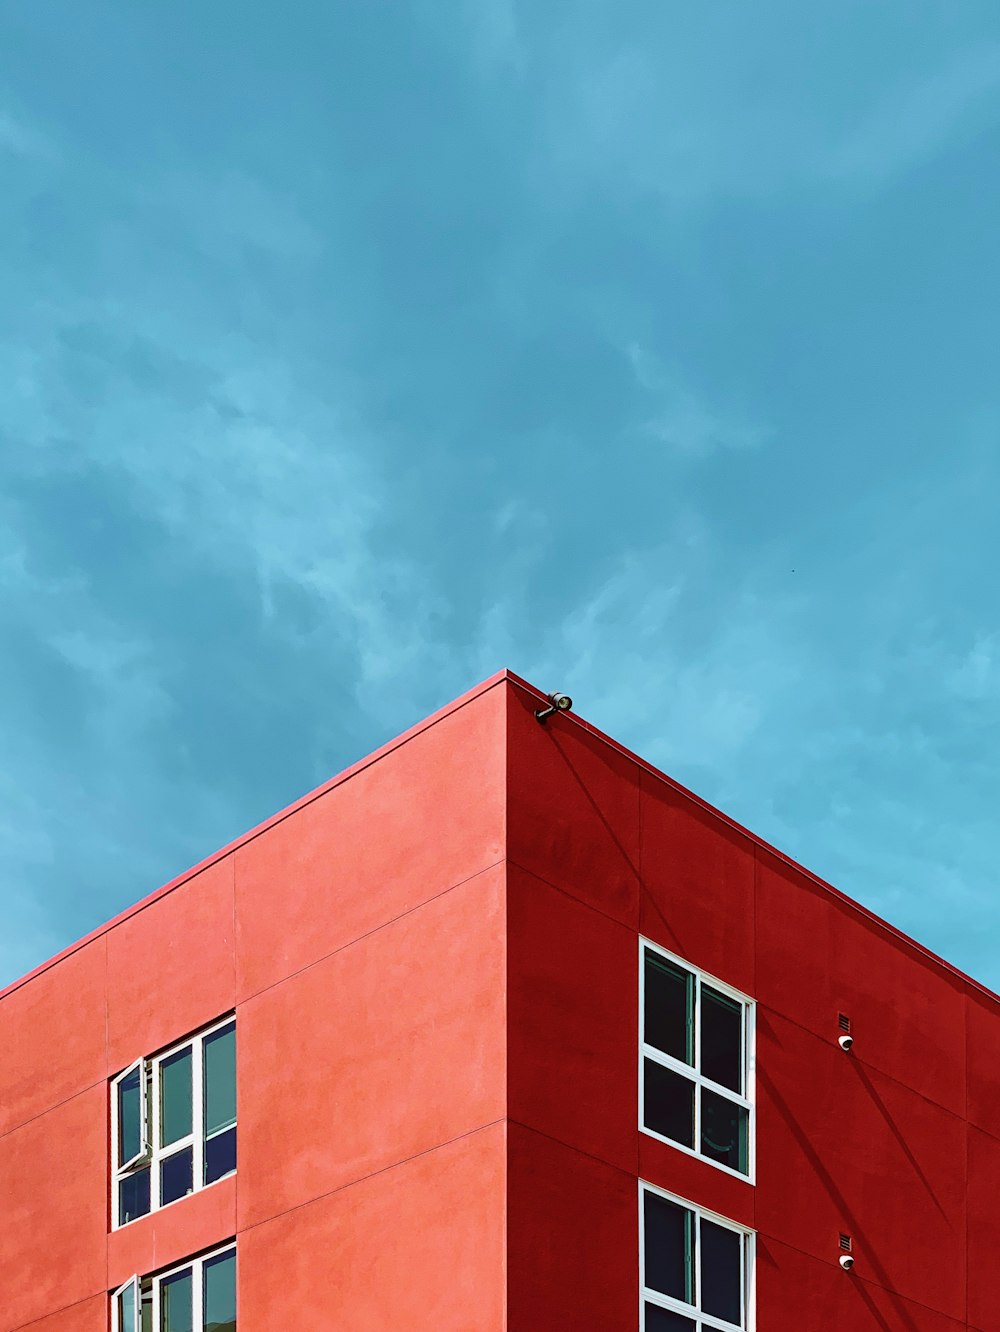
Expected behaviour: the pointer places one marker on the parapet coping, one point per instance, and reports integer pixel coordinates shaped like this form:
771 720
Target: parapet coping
508 677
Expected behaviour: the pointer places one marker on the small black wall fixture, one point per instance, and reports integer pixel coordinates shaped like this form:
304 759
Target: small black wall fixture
557 703
846 1256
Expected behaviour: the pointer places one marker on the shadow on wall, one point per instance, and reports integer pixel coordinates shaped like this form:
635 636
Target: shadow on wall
598 748
904 1146
903 1318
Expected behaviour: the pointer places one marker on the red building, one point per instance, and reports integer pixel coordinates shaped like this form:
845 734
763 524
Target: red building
514 1033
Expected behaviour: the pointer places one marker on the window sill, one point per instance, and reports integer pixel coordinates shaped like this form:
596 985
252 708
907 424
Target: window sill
166 1207
749 1179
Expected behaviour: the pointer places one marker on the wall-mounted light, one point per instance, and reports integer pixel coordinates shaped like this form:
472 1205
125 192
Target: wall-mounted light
557 703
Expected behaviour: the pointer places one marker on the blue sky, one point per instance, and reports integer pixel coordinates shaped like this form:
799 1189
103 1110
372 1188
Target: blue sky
351 352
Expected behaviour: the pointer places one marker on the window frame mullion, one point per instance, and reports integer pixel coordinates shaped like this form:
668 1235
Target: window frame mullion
154 1183
198 1114
747 1251
154 1154
116 1321
697 1065
744 1099
198 1296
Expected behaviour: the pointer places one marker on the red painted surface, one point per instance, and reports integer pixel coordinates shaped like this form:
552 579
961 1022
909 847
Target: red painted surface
171 968
420 1245
383 1051
169 1235
571 1264
52 1037
795 1290
54 1217
88 1316
688 858
434 962
424 818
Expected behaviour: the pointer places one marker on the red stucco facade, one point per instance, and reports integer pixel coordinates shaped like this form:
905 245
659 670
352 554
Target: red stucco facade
433 961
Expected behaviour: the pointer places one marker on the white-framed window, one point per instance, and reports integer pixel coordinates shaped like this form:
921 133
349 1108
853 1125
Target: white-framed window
198 1295
695 1061
696 1269
173 1122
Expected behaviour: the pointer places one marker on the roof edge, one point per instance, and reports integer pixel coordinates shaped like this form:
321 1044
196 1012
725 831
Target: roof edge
506 676
873 918
179 880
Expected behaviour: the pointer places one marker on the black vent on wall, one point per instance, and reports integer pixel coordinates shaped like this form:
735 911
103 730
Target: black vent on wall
845 1021
846 1243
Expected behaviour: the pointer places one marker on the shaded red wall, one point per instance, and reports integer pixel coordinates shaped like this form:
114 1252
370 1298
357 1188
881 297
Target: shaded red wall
897 1144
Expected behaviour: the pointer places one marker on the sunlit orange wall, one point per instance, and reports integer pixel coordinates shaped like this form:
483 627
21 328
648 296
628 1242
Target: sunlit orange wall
361 942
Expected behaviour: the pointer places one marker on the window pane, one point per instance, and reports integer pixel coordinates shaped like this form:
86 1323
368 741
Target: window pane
724 1128
130 1142
176 1176
668 1103
220 1155
133 1196
177 1302
665 1320
722 1039
721 1261
220 1293
126 1309
669 1247
220 1079
147 1310
175 1097
669 1004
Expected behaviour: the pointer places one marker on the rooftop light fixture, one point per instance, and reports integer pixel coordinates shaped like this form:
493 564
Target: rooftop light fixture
557 703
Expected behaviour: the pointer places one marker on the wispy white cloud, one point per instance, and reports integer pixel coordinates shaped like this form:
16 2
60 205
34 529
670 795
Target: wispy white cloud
672 118
688 696
231 207
680 419
977 676
222 464
759 696
486 31
298 440
261 479
20 138
496 33
919 118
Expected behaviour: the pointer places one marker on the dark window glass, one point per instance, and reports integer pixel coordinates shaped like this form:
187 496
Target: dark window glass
220 1079
721 1263
220 1155
133 1196
669 1004
177 1302
175 1097
220 1293
668 1103
668 1238
176 1176
130 1142
722 1039
665 1320
724 1128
